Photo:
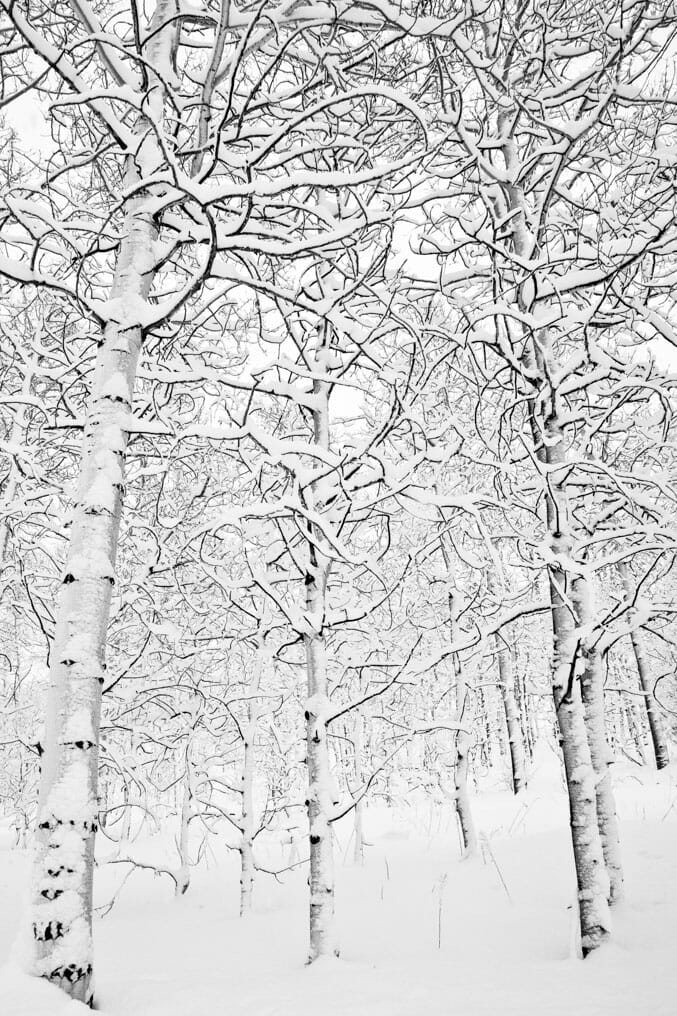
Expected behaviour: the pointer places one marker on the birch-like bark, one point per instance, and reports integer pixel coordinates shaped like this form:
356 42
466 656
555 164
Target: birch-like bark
358 815
512 716
634 717
523 711
67 805
68 789
658 739
182 879
247 866
463 743
248 827
183 874
591 876
323 941
592 691
612 713
491 711
659 742
322 931
545 413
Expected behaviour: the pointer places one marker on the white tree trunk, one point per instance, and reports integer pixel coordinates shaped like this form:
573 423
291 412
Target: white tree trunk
247 864
592 691
247 876
591 876
546 411
658 740
68 790
463 743
616 723
183 874
512 716
635 715
183 842
358 818
524 711
67 805
550 446
320 798
323 941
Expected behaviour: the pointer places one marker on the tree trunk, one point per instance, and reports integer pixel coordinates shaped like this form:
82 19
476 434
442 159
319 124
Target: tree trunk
67 805
546 411
462 746
615 729
322 932
484 747
320 797
68 788
591 876
592 691
658 740
512 716
247 876
524 711
634 715
183 874
247 865
358 819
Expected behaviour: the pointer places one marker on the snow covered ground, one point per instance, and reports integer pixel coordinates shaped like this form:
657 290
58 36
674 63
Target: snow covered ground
423 933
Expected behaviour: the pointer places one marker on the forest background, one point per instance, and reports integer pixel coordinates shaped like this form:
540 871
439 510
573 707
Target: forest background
338 444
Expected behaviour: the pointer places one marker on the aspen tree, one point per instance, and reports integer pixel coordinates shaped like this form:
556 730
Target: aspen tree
529 277
656 728
67 808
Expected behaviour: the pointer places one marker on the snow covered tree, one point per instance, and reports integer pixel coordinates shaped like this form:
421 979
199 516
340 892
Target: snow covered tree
556 228
179 164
